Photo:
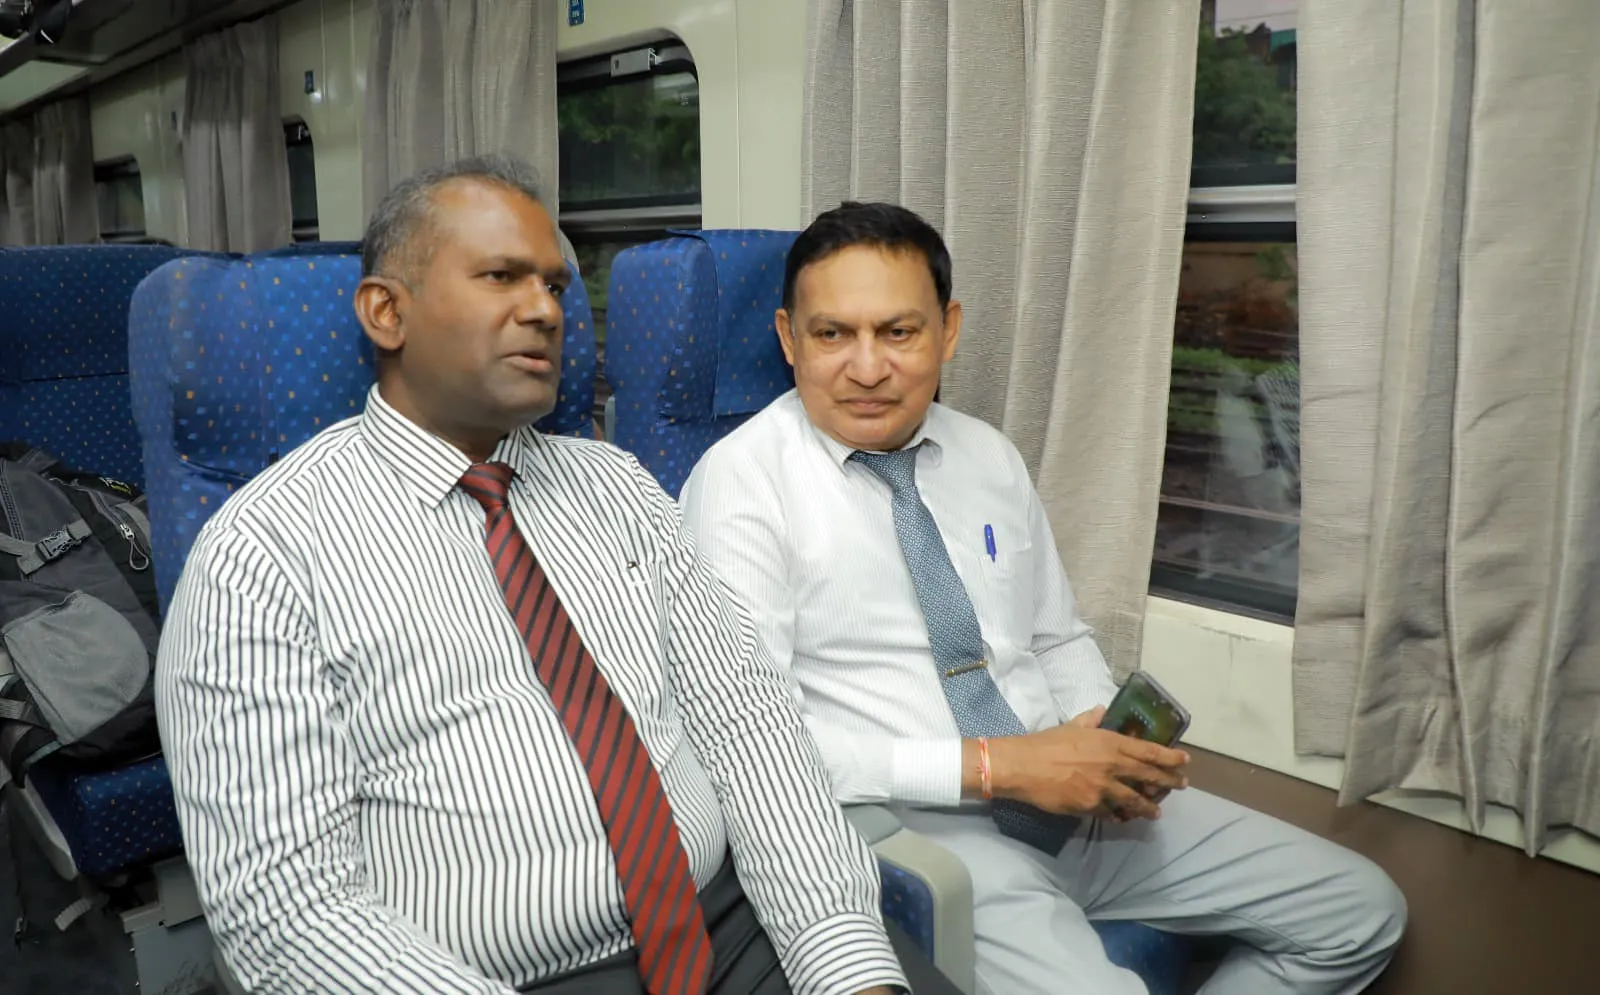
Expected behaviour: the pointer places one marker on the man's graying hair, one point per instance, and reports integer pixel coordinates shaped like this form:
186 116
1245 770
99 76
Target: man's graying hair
395 244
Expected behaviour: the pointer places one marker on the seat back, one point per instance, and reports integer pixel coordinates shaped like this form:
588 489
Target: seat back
691 349
238 361
64 352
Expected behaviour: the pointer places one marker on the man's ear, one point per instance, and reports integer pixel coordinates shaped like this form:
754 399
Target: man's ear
952 330
378 304
785 334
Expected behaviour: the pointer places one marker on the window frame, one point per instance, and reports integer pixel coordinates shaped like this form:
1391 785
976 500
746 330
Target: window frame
296 133
664 57
1244 213
121 168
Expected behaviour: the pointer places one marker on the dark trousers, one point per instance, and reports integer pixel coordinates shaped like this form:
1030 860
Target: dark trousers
743 959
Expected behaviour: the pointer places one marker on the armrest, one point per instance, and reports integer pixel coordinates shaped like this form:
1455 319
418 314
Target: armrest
916 865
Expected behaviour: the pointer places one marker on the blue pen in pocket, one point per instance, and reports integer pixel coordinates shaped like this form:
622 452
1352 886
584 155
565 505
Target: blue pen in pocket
988 541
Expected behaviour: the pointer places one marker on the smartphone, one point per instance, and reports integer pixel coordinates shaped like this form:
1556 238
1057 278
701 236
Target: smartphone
1144 710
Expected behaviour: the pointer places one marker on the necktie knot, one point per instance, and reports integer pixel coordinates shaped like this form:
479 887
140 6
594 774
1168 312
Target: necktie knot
898 469
489 484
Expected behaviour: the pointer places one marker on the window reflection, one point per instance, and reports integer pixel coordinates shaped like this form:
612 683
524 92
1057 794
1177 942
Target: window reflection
1228 527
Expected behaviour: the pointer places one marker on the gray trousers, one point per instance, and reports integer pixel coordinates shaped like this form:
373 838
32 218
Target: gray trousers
1312 917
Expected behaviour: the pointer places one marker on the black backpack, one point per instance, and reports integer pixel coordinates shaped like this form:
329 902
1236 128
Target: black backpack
79 617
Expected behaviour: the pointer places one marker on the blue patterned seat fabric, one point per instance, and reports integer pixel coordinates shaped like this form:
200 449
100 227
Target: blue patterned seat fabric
235 361
64 351
1161 959
672 306
691 354
113 820
751 369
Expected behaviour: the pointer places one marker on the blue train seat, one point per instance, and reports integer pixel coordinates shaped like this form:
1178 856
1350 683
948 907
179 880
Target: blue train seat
692 353
237 362
234 361
64 352
670 303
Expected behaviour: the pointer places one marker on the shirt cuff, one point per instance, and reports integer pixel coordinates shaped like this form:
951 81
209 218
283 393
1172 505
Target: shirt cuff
927 772
1091 686
842 955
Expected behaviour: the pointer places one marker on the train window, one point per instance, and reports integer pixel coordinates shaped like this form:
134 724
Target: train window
302 180
120 193
630 155
1228 529
630 131
1245 77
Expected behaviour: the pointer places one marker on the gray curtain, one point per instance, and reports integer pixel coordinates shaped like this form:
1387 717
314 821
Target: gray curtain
16 183
235 167
1447 636
447 79
47 191
1050 141
65 203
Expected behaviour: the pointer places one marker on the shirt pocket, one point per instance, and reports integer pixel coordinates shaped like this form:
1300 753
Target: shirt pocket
1001 591
644 578
639 648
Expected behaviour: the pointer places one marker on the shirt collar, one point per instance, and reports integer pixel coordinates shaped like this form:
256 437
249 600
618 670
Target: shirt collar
928 435
428 465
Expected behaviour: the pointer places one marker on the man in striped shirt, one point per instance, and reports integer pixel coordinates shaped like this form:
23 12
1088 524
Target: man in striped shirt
450 706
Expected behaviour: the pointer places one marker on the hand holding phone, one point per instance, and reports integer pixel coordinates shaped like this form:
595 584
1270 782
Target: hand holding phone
1077 768
1144 710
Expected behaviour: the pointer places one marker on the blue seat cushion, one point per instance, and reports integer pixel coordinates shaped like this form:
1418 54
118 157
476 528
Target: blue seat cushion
908 903
113 820
1161 959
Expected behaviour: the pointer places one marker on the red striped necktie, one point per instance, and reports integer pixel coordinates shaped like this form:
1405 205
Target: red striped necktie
668 928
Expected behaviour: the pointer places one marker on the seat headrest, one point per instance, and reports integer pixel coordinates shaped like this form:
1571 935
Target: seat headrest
242 360
661 348
65 310
751 370
238 361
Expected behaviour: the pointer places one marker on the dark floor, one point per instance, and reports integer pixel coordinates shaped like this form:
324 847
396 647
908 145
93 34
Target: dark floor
1485 919
90 958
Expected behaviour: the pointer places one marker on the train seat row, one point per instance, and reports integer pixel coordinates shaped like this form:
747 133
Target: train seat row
188 374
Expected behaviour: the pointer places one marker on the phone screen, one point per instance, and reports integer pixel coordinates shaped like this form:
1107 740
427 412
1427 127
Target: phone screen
1144 711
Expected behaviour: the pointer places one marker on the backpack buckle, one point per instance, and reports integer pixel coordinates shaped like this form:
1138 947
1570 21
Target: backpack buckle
56 543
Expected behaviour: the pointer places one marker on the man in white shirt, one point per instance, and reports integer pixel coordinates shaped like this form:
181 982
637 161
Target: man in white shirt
450 706
898 563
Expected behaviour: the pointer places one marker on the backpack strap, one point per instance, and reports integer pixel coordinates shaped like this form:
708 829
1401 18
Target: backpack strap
37 460
26 456
20 725
33 555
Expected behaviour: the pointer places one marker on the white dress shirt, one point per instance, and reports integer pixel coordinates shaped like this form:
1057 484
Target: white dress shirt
375 790
807 541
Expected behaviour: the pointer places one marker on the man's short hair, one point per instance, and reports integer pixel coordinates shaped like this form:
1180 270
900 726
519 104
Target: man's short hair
884 226
394 244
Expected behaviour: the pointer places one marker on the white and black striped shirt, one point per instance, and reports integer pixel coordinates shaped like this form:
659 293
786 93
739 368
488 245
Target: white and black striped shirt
375 792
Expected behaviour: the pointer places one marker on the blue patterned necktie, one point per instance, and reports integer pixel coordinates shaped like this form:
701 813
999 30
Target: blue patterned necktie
957 642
